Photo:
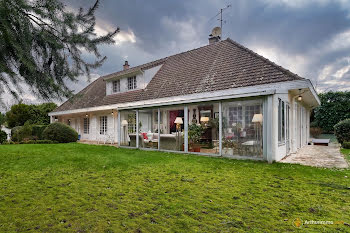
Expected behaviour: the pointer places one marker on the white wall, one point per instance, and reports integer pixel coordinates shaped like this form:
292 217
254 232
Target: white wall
7 131
299 124
77 123
141 81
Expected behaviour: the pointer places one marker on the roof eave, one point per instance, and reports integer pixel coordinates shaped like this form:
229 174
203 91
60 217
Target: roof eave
132 73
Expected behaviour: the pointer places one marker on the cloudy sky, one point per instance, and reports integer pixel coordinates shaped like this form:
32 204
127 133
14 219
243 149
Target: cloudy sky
310 38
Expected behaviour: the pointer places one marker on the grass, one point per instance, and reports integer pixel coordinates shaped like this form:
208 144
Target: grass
85 188
346 153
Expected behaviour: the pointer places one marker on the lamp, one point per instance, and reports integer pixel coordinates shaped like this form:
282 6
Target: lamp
204 119
124 124
300 98
86 115
257 118
178 121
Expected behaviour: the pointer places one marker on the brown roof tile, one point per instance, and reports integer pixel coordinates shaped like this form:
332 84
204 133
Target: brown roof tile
219 66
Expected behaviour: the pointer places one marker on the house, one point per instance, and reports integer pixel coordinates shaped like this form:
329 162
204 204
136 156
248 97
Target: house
221 99
7 131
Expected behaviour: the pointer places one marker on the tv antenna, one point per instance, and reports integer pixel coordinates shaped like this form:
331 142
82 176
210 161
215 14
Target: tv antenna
220 19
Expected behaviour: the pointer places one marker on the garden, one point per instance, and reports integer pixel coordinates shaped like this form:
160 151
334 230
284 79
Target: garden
87 188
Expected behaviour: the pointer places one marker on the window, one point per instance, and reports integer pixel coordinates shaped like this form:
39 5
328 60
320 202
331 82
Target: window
132 123
116 86
281 121
132 83
103 124
86 125
242 128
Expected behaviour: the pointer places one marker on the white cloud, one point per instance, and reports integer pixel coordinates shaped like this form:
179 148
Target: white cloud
102 28
304 3
186 33
296 63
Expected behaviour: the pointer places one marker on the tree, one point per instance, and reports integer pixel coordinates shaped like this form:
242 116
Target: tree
335 107
33 114
2 119
18 115
41 45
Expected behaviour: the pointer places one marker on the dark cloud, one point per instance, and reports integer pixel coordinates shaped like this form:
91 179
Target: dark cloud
311 38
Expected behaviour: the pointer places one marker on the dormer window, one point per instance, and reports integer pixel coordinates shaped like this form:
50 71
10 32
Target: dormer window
116 86
132 83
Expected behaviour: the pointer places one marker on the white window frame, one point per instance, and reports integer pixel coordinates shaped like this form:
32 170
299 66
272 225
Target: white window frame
86 124
132 83
116 86
103 125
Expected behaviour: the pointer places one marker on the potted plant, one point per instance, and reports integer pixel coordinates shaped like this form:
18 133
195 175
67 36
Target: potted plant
194 134
227 145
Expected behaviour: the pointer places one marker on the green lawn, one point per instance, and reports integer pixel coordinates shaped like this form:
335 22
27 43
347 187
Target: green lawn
346 153
84 188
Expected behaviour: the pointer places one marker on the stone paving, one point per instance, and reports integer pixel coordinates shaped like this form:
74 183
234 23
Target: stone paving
318 156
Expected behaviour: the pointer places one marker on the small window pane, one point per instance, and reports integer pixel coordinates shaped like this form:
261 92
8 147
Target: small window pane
103 124
86 125
116 86
132 83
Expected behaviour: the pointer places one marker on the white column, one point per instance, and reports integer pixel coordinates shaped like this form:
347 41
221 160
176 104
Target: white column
270 123
158 128
186 129
137 128
118 130
220 128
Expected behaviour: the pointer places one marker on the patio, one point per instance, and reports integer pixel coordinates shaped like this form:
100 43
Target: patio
318 156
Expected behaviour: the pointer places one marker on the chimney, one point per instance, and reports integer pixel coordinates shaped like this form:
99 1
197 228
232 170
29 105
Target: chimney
213 39
126 65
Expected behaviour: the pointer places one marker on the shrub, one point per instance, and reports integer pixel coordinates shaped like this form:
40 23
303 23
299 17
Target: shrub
3 136
38 131
315 132
60 132
23 133
38 142
14 133
342 131
346 145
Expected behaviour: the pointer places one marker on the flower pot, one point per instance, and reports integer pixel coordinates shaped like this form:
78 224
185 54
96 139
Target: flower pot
227 151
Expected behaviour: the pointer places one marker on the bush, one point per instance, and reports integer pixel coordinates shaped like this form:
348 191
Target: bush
346 145
315 132
23 133
38 142
3 136
60 132
14 133
342 131
38 131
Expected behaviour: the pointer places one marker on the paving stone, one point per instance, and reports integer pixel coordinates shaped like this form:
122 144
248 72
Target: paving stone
318 156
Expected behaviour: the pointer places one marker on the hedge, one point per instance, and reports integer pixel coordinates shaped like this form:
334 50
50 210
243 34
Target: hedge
31 142
346 145
38 131
60 132
342 131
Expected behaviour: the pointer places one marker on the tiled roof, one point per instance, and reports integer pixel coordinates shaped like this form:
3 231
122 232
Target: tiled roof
223 65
